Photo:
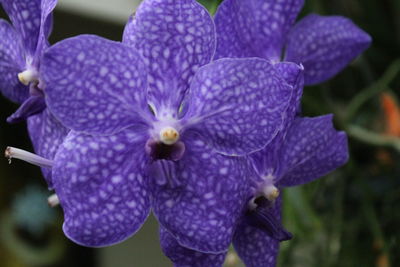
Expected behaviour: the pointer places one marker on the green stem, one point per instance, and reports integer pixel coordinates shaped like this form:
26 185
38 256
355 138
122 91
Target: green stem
372 218
372 138
377 87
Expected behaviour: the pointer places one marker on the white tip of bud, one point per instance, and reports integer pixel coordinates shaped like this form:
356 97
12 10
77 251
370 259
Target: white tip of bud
169 135
12 152
271 192
27 77
53 201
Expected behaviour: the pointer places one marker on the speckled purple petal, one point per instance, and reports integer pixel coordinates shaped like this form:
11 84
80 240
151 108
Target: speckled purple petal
247 28
26 16
176 38
325 45
202 213
46 25
102 187
11 63
46 134
94 85
294 75
254 246
312 149
229 95
32 106
266 161
184 257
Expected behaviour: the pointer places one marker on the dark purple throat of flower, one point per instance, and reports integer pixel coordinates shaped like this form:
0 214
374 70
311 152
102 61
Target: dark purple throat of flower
263 218
166 146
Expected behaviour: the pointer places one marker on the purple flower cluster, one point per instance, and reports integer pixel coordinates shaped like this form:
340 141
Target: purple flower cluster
193 118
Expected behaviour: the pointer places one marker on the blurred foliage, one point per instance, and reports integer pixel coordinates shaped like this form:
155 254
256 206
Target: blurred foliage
348 218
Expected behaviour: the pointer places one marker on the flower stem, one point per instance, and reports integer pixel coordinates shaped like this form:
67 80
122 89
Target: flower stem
380 85
372 138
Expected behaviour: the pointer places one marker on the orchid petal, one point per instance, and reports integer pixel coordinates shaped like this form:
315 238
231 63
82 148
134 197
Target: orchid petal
294 75
325 45
184 257
254 246
102 188
94 85
229 95
175 38
47 134
313 148
247 28
32 106
46 26
11 63
28 19
202 212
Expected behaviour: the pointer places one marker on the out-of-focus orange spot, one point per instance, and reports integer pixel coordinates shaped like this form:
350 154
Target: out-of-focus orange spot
392 114
382 261
384 157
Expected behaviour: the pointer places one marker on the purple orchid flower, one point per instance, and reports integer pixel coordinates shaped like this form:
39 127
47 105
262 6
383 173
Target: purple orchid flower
304 150
312 148
183 256
166 128
21 47
264 28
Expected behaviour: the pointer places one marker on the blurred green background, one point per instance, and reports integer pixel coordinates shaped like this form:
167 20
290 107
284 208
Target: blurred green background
349 218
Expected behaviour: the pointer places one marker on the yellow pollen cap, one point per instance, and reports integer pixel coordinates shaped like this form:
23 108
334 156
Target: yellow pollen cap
169 135
26 77
271 192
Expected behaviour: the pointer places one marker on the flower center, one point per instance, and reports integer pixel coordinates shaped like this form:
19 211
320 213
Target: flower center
169 135
28 76
158 150
269 192
265 218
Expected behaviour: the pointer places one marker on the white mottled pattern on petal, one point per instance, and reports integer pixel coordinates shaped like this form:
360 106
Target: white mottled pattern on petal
46 134
312 149
175 38
294 75
184 257
202 213
247 28
254 246
46 25
25 16
325 45
228 96
94 85
11 63
102 187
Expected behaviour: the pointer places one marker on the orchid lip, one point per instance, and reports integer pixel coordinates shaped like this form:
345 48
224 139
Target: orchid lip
12 152
262 218
158 150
